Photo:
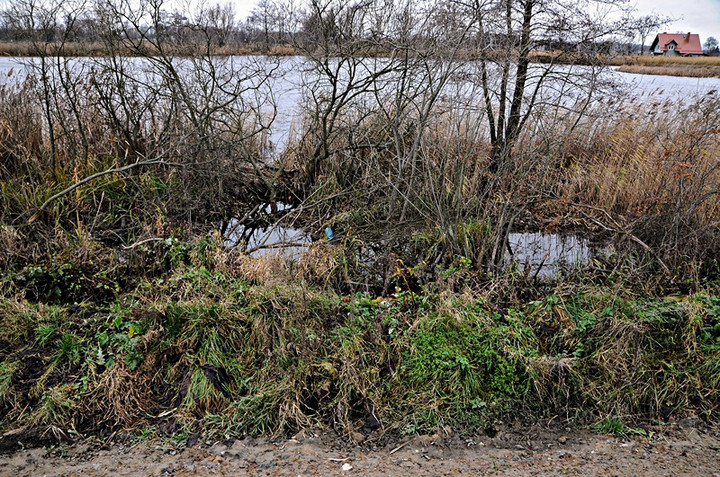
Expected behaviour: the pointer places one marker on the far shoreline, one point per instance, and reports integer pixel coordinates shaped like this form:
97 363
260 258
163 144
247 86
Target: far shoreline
670 70
692 67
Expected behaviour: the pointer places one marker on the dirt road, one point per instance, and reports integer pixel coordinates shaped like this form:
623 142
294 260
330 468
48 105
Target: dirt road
675 452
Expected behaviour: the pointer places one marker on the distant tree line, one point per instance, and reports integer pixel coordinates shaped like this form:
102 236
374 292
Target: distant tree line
270 23
284 23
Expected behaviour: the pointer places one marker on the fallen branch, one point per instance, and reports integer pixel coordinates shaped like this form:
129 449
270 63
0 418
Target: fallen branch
95 176
277 245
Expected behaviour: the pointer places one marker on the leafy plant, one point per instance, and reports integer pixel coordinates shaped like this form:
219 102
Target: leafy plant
610 425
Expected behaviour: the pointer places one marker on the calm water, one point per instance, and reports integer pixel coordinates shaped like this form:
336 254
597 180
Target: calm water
277 239
673 88
544 255
285 90
541 255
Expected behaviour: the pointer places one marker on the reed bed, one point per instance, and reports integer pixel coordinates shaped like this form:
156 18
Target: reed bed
98 49
657 176
696 67
662 60
674 69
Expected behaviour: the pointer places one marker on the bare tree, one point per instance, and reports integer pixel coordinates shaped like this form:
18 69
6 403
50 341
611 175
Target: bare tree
219 22
506 34
645 26
201 116
711 44
452 64
265 17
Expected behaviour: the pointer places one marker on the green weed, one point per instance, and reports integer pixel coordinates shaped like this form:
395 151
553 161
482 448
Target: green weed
70 347
610 425
465 361
55 405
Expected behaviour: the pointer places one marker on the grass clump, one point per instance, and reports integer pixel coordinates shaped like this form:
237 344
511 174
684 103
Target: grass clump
630 357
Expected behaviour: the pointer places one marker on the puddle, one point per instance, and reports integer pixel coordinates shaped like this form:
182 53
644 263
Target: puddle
546 254
287 242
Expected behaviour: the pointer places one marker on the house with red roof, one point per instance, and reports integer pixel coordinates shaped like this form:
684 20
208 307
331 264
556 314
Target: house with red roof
677 44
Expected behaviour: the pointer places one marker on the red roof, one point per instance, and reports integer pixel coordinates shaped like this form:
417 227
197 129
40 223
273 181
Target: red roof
687 43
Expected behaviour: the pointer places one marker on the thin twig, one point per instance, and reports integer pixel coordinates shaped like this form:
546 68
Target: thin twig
141 242
400 446
618 229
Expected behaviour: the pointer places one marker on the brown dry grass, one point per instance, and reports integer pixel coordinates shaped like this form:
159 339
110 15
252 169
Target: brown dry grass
28 49
282 50
267 270
648 60
11 243
635 172
696 67
122 397
657 178
693 71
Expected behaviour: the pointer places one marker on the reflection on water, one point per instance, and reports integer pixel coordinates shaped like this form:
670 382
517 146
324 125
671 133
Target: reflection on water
287 242
546 254
543 255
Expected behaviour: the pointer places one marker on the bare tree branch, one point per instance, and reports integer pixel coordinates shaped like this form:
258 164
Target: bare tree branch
95 176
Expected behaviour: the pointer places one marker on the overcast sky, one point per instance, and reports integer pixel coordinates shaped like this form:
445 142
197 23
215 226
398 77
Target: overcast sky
244 7
695 16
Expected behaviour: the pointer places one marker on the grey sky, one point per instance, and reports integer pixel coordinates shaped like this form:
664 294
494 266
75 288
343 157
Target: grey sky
695 16
244 7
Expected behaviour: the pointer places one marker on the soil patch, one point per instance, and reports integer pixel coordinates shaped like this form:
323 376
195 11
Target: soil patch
676 451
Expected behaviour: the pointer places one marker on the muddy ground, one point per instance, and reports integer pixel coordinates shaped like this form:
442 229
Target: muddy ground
672 450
